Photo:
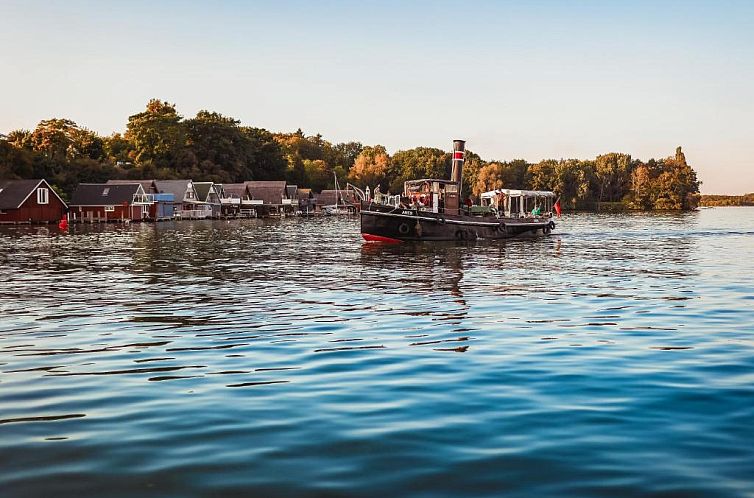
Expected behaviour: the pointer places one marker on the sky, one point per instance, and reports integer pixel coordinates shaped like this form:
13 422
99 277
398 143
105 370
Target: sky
515 79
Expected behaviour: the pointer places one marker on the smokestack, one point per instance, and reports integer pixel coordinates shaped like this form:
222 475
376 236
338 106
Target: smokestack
456 173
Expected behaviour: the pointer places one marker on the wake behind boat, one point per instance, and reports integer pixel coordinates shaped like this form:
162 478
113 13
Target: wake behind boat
431 210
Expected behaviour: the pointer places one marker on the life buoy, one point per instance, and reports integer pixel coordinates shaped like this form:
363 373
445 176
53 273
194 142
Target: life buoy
403 228
501 227
551 225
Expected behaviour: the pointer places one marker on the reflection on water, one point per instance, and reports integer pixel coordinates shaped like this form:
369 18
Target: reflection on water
287 358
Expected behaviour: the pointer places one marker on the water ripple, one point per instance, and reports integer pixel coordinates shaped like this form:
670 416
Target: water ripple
287 358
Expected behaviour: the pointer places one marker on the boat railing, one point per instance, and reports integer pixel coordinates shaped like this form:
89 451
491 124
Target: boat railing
387 200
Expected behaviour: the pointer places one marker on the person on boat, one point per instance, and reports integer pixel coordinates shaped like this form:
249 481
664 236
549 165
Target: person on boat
537 211
377 194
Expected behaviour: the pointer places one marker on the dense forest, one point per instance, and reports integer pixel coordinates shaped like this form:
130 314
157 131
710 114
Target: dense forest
728 200
160 143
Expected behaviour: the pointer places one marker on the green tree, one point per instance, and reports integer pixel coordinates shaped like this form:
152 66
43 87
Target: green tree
118 149
318 175
268 160
613 174
221 149
157 134
421 162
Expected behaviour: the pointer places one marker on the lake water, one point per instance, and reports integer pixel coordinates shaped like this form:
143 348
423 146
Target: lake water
285 358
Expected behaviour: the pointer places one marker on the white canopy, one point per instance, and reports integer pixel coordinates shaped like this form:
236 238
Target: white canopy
517 193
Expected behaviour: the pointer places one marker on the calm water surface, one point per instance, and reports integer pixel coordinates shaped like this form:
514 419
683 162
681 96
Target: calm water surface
286 358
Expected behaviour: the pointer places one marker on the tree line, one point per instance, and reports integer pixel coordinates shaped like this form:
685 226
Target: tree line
728 200
160 143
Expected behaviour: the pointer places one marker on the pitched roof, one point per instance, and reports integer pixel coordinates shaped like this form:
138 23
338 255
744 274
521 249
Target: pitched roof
291 190
103 194
176 187
202 190
235 189
329 197
267 184
147 185
13 193
272 192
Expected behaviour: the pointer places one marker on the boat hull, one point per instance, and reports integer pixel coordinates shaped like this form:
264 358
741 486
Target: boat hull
387 224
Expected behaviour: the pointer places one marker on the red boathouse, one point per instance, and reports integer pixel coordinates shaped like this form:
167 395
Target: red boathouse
30 201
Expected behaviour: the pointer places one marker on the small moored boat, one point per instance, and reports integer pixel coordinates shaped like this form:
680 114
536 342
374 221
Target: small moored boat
431 209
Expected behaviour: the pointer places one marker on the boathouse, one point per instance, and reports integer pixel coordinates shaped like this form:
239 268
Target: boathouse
30 201
344 199
185 202
149 186
161 205
102 202
207 193
270 198
306 200
236 201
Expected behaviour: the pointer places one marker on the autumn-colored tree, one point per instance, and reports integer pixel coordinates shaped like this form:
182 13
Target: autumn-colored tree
61 139
488 178
471 167
371 167
541 176
677 186
642 188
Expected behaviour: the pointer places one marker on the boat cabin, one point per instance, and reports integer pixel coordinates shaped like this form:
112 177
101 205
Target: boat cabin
430 194
519 203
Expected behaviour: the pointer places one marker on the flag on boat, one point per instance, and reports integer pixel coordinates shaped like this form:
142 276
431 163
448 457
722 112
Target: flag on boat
557 207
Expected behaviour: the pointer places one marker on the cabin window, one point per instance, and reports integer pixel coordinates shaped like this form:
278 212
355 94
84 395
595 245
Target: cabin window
109 209
43 196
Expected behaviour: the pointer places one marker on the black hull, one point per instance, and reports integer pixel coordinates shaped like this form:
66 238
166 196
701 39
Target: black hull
387 224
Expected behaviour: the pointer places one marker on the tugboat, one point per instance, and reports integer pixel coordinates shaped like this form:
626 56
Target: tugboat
431 209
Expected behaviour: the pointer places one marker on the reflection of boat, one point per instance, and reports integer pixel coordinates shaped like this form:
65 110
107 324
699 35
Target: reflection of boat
431 209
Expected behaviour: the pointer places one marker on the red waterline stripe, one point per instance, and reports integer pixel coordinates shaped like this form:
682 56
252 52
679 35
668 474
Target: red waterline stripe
379 238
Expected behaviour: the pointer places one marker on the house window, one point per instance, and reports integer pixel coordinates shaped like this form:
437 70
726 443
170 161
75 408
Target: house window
109 209
43 196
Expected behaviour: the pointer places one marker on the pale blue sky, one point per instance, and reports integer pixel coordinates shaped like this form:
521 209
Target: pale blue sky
533 80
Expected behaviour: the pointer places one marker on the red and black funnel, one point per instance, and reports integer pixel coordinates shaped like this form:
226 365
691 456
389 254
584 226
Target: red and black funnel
456 173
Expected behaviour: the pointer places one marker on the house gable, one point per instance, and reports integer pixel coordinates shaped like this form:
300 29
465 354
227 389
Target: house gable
15 193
